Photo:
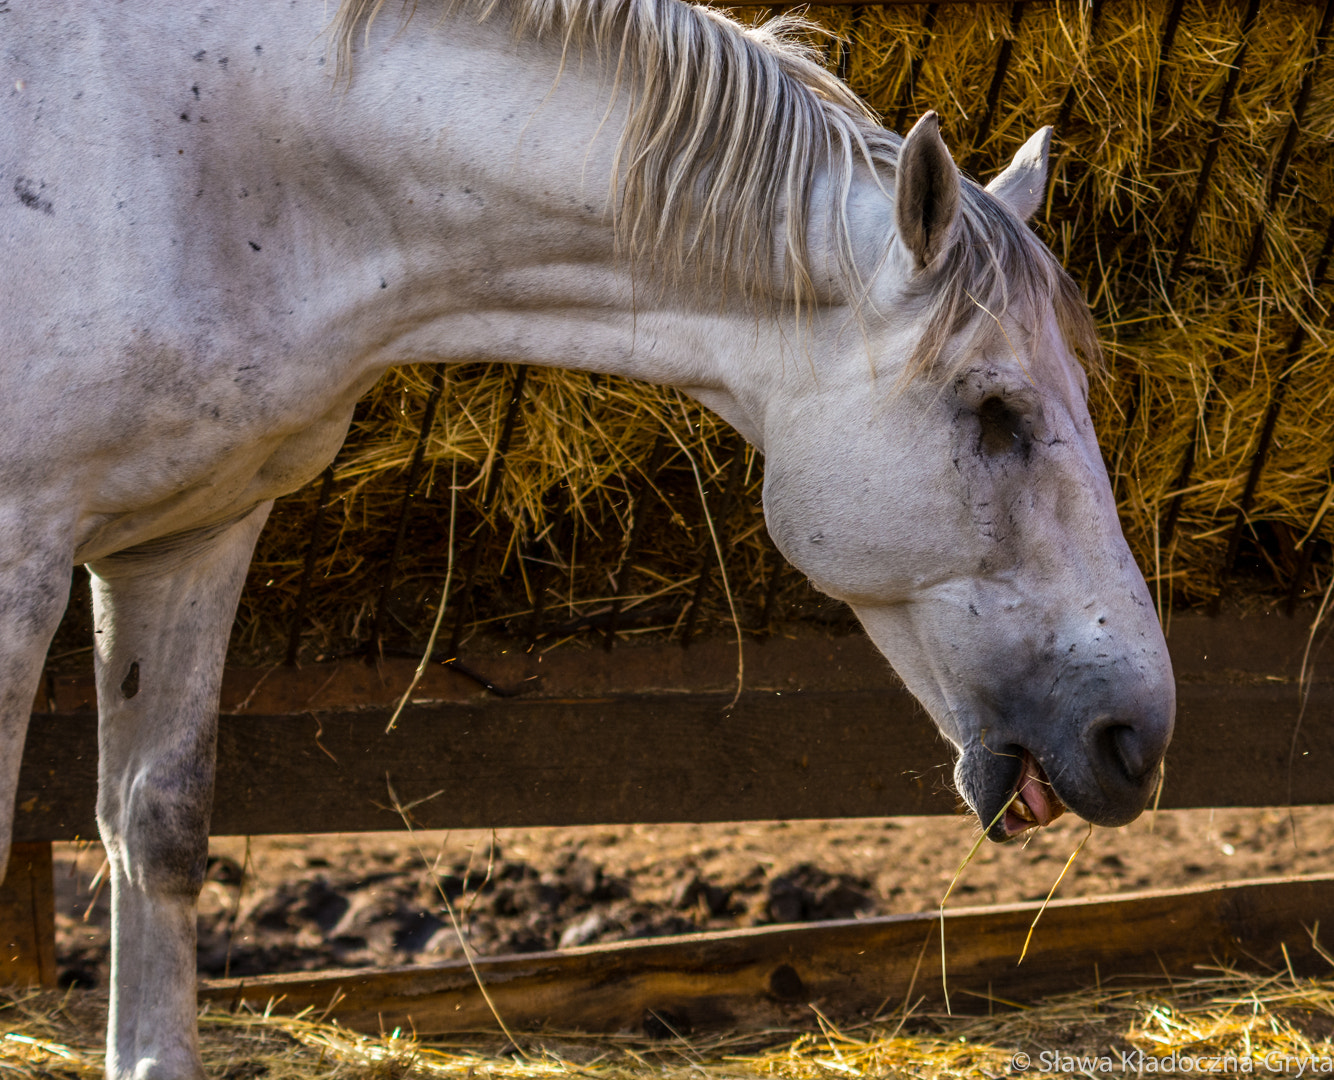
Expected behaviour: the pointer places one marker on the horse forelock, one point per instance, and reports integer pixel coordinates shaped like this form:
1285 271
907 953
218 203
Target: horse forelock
728 128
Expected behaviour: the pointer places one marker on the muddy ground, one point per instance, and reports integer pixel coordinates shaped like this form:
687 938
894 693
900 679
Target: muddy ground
372 900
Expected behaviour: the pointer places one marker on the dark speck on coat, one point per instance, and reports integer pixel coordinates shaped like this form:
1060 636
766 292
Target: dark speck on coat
29 193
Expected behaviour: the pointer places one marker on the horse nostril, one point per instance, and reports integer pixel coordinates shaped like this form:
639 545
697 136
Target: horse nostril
1124 748
1122 753
1129 749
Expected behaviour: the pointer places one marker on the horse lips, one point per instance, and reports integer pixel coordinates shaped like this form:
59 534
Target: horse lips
1034 803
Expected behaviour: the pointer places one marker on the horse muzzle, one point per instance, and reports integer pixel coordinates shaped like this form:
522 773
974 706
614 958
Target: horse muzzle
1104 769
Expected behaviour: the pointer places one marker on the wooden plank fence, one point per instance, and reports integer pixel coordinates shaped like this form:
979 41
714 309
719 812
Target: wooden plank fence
644 735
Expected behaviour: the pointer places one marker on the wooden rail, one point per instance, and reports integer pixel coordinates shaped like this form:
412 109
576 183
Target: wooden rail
772 976
645 735
651 758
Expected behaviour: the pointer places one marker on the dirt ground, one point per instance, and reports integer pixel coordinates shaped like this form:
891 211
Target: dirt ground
372 900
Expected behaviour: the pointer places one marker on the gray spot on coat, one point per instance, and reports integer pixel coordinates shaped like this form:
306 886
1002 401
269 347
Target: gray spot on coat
130 684
29 193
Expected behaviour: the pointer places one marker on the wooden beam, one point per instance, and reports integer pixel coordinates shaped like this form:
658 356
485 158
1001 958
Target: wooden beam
651 759
27 919
1265 648
856 968
826 731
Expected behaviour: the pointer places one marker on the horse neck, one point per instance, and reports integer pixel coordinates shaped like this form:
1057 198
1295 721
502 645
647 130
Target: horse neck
491 229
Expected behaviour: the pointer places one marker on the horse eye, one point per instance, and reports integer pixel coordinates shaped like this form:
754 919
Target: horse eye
1001 428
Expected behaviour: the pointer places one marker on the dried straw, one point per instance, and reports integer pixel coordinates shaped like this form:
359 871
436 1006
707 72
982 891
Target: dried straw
1256 1019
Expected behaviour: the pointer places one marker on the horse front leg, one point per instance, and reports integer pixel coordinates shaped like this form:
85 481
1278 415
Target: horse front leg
162 615
33 590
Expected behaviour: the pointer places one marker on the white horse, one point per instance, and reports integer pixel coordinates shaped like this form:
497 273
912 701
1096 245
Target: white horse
212 246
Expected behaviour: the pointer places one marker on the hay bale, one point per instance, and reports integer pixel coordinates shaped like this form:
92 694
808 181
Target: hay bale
1195 359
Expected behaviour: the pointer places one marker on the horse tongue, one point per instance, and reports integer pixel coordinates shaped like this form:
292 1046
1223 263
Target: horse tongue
1036 792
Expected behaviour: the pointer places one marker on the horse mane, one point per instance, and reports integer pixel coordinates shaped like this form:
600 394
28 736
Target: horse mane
728 127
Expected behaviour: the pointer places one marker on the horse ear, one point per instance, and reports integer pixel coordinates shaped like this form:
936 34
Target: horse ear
1023 184
926 199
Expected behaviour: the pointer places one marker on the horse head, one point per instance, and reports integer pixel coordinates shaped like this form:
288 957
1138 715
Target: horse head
936 468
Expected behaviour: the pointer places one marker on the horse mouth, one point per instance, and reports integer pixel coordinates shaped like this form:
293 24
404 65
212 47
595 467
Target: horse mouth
1033 802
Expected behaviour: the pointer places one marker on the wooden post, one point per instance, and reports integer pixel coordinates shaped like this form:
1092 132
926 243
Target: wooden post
28 919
